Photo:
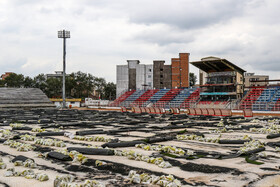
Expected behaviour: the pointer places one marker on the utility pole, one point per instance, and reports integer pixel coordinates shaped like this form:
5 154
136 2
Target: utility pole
64 34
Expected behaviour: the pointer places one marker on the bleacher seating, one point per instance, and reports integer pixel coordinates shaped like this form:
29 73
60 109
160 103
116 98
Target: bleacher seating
156 97
258 98
143 98
191 100
164 100
275 101
179 99
251 98
122 98
132 98
262 103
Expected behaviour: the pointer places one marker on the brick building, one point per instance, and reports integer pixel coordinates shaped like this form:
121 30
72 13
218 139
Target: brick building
136 76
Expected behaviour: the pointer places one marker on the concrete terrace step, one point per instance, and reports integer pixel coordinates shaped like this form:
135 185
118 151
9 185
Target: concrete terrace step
19 98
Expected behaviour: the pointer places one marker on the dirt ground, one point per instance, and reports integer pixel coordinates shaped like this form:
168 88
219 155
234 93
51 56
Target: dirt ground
202 163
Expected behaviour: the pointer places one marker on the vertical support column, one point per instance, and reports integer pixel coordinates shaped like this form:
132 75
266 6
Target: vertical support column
63 79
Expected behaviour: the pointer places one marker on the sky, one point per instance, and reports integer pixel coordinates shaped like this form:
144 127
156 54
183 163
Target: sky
106 33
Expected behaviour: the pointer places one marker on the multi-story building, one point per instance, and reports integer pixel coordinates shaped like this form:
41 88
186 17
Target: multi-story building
180 71
223 81
161 75
136 76
250 78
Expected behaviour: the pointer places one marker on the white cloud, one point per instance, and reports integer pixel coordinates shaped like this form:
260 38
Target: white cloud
106 33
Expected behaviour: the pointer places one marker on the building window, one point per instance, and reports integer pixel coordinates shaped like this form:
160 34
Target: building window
161 76
161 69
149 76
149 83
161 82
150 70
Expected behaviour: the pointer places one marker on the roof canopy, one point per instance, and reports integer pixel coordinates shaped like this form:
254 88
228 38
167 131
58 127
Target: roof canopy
214 64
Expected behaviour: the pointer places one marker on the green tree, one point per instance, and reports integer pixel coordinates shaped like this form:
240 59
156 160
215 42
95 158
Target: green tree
193 79
53 88
110 91
70 85
2 83
40 82
99 85
14 80
82 84
28 82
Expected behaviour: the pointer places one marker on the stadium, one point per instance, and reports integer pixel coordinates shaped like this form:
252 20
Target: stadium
221 89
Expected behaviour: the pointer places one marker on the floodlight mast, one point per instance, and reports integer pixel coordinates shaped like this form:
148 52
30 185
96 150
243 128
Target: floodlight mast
64 34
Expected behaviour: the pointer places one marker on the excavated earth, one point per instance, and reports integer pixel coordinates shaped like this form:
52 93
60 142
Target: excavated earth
213 164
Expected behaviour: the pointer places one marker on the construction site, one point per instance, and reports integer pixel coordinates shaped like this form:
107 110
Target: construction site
218 133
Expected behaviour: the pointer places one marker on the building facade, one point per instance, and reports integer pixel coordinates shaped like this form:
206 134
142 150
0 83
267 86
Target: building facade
136 76
161 75
219 79
250 78
180 71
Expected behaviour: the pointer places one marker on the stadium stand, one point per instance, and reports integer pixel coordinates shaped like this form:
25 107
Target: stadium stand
132 98
143 98
265 98
156 97
181 97
251 97
191 100
23 98
122 98
164 100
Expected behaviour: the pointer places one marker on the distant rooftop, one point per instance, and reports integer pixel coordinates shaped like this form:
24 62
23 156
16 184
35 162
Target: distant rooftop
215 64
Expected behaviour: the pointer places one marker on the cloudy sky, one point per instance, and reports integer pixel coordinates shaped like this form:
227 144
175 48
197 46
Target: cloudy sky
105 33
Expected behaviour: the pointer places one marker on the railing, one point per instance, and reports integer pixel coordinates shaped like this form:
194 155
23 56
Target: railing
260 106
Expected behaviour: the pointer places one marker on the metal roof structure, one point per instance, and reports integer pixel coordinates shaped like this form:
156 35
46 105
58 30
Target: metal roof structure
214 64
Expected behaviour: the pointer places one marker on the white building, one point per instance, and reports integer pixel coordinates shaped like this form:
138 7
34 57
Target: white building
134 76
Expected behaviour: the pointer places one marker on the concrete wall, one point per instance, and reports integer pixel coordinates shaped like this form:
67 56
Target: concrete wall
202 77
149 76
122 79
249 78
144 76
132 65
167 82
158 74
140 76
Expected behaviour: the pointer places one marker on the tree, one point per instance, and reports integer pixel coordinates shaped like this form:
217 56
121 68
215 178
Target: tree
99 85
53 87
193 79
40 82
110 91
14 80
2 83
28 82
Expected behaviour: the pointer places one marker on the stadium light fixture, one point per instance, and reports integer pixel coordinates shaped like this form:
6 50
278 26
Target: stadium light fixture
64 34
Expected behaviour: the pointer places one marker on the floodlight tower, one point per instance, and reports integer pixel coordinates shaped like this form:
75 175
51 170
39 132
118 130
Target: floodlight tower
64 34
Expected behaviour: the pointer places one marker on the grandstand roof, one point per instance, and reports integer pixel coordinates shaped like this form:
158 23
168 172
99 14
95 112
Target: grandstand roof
214 64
